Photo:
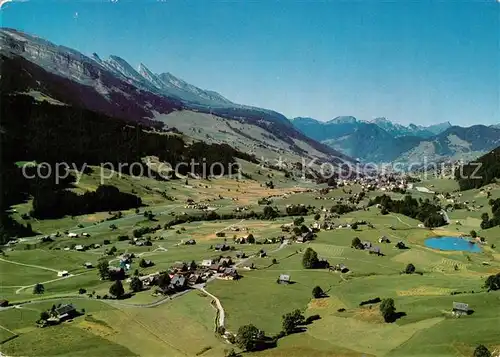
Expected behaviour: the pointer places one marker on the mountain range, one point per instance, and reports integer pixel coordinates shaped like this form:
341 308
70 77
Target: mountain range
60 75
381 140
57 74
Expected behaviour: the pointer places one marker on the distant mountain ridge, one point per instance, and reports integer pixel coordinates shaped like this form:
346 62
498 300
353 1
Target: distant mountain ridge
350 123
380 140
113 87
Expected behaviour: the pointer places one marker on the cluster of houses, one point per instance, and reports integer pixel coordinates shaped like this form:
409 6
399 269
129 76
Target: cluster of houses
141 242
82 248
183 276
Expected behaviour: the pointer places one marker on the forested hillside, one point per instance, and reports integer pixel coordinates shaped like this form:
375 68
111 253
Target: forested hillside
42 132
480 172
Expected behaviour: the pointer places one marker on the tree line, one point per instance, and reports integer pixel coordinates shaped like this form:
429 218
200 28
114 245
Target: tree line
56 204
494 221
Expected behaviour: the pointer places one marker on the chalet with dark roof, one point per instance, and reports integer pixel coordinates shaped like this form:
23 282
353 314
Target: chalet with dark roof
65 312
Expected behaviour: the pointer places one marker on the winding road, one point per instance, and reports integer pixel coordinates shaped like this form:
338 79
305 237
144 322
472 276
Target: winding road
200 287
222 314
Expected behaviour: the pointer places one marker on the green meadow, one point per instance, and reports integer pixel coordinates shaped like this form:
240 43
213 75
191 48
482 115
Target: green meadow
147 325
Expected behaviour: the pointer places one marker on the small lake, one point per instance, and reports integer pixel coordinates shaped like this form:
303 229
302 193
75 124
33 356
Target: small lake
452 243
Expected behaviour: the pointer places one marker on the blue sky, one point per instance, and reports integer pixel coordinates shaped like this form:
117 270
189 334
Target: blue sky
410 61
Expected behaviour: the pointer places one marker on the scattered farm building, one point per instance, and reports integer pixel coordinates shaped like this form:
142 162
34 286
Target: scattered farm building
178 282
221 247
284 279
230 274
340 267
65 312
460 309
366 245
384 239
207 263
304 237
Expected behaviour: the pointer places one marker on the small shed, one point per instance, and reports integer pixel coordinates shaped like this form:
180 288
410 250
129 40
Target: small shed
240 255
284 279
460 309
342 268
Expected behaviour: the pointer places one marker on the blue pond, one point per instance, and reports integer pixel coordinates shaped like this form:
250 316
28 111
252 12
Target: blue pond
452 243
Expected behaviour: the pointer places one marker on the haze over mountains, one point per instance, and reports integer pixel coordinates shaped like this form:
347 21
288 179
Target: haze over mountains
381 140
